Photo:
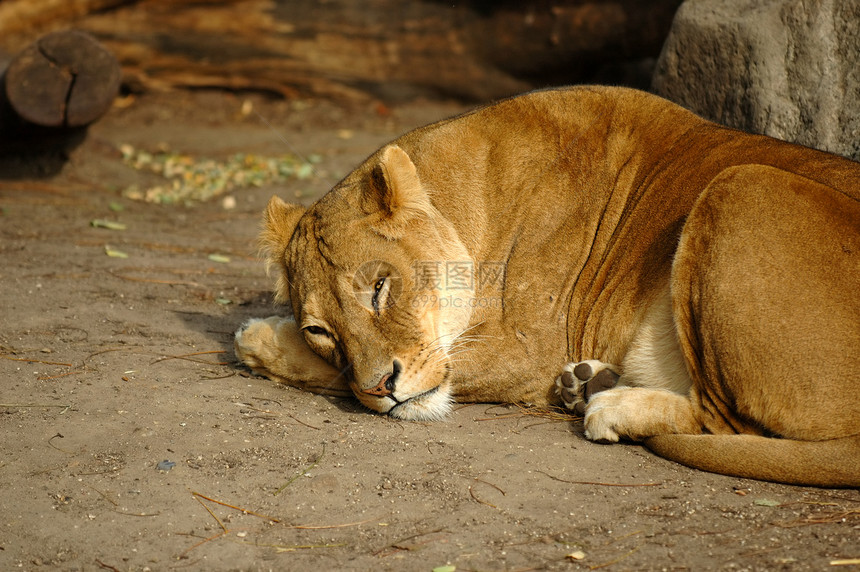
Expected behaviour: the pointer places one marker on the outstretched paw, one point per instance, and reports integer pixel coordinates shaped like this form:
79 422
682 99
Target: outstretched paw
255 344
275 348
579 381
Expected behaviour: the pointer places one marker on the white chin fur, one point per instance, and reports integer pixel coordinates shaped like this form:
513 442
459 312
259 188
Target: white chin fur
434 406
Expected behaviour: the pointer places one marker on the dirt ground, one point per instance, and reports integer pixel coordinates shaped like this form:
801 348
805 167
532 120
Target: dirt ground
111 366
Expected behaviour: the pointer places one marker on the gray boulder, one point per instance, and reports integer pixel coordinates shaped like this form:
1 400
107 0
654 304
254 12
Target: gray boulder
786 68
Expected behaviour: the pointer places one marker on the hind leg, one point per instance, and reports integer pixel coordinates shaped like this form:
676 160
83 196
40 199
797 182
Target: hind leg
765 298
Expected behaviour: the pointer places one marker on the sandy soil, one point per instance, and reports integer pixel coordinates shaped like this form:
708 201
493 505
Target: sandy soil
111 366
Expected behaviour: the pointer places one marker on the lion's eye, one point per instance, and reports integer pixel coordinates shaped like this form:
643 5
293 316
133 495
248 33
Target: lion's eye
316 331
379 294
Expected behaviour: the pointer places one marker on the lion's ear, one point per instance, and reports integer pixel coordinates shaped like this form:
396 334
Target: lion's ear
279 222
396 193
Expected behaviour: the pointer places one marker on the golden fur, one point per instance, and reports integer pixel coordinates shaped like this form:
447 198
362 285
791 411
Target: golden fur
718 270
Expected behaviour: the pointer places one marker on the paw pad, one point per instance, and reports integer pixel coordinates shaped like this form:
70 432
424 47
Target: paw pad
579 381
601 381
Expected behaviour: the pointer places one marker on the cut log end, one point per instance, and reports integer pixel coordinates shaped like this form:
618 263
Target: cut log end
64 79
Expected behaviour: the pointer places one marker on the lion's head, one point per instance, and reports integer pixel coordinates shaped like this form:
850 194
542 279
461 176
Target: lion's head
359 269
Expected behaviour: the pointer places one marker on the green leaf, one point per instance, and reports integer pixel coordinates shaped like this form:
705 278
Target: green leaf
766 502
219 258
108 224
115 253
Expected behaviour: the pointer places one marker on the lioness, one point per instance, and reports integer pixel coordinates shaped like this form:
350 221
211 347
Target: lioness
555 244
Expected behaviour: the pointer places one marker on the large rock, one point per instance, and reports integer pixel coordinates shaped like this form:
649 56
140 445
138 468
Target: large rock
785 68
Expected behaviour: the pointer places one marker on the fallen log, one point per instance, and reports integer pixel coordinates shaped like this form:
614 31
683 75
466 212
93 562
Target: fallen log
387 49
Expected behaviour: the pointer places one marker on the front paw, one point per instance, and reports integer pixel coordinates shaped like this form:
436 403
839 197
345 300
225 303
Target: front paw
275 348
637 413
254 343
606 415
580 380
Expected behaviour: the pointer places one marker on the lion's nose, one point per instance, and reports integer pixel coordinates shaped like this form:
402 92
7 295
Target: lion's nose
386 385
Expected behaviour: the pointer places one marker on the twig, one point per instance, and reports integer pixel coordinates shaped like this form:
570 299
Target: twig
552 413
155 281
492 485
204 541
107 472
302 473
399 544
104 496
60 435
36 361
249 406
297 420
109 350
476 499
218 520
617 560
548 422
189 357
549 413
838 497
826 518
243 510
599 484
628 535
292 548
107 566
326 527
808 503
269 412
187 564
49 469
503 416
211 377
65 407
138 513
224 529
50 377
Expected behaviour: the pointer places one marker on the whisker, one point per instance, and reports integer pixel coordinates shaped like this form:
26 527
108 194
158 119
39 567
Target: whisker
439 355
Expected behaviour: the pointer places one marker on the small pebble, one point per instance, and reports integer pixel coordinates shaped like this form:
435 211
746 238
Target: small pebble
165 465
